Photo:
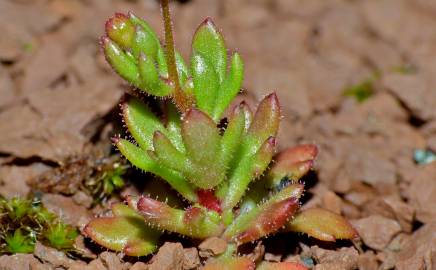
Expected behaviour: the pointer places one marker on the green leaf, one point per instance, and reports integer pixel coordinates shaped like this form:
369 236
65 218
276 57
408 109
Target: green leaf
141 122
202 142
256 222
149 77
127 233
281 266
205 83
230 86
144 42
169 156
291 164
122 63
265 123
231 138
232 263
209 43
173 126
249 168
145 26
121 30
194 222
139 158
322 224
182 68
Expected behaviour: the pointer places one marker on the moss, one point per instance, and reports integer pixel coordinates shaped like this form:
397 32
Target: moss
25 221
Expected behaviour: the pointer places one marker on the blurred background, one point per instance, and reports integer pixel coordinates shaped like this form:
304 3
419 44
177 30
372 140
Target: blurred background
356 77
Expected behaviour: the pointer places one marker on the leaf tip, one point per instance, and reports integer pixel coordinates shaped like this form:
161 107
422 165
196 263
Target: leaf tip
120 29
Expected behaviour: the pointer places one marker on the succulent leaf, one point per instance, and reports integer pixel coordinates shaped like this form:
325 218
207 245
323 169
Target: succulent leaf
209 43
128 39
150 80
144 42
281 266
255 222
120 61
249 168
141 159
232 263
194 222
153 37
121 30
125 232
265 123
202 139
230 86
231 138
141 122
173 126
206 83
170 157
291 164
322 224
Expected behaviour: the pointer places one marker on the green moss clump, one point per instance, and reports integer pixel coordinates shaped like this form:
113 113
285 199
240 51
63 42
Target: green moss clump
25 221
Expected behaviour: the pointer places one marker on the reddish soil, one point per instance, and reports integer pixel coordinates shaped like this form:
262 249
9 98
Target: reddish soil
58 96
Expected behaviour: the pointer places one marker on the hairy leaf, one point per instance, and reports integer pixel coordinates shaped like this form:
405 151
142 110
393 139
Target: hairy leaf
201 138
194 222
121 30
230 86
121 62
126 232
265 123
170 157
232 263
139 158
141 122
149 78
281 266
249 168
209 43
257 221
205 83
322 224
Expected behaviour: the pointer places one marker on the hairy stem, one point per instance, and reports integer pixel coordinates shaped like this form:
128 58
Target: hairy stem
182 102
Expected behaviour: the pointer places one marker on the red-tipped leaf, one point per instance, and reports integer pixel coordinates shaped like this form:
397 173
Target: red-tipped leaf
232 263
281 266
322 224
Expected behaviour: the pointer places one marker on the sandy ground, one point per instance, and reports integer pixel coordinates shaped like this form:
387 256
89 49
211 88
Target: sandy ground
57 94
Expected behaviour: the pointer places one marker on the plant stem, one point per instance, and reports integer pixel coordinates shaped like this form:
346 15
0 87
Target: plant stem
181 100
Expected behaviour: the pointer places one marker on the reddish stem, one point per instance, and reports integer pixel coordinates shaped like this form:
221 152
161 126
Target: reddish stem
208 199
182 101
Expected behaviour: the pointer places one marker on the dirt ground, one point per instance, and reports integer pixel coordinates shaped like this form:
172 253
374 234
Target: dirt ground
57 95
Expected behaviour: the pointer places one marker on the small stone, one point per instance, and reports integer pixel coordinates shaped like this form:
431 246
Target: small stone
212 246
81 198
111 261
139 266
53 256
19 261
344 258
191 258
376 231
367 261
169 257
